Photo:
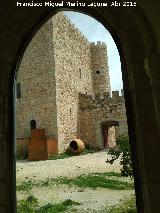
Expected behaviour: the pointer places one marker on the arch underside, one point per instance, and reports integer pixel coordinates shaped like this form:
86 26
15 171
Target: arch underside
137 46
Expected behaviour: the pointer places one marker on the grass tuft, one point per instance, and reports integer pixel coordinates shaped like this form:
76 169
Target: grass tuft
127 206
109 174
25 186
59 207
30 205
94 181
27 205
85 181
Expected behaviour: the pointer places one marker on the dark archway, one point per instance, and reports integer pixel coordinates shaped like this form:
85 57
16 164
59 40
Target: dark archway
137 35
33 124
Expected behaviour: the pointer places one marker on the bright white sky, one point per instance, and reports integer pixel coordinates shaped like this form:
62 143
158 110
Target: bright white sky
95 31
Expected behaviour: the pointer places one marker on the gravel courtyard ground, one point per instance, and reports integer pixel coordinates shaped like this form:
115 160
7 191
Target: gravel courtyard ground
91 200
68 167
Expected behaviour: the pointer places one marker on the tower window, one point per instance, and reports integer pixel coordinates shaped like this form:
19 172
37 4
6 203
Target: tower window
98 72
80 73
18 90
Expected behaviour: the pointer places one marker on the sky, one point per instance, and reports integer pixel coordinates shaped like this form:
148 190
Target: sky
94 31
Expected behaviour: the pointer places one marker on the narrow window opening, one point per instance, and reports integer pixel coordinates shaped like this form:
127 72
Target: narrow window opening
33 124
18 90
98 72
80 73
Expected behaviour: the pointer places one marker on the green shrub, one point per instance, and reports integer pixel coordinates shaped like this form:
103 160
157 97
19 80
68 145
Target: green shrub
27 205
122 150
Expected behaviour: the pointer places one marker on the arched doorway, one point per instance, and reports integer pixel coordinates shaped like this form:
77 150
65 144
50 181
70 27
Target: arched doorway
132 32
109 132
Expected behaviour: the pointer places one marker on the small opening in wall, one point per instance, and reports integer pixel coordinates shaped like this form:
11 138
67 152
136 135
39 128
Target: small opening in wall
18 90
33 124
98 72
80 73
70 111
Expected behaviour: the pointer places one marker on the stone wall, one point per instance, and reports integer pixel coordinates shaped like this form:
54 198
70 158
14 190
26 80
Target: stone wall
111 136
73 74
37 83
96 111
100 71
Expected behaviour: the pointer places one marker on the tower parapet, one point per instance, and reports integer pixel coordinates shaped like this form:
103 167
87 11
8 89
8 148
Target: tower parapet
89 102
115 94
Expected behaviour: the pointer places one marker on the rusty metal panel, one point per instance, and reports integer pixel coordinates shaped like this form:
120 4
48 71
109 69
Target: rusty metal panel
38 145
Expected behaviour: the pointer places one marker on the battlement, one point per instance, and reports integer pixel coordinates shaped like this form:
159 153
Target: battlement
90 101
115 94
98 44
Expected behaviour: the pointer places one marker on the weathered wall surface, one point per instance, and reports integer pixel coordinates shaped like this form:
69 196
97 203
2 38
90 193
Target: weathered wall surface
37 82
73 75
111 136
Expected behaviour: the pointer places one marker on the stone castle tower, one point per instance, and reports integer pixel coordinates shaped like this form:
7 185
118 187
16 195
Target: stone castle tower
100 71
64 85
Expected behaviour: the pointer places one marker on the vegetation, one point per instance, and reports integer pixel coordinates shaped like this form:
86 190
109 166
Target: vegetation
26 186
123 150
27 205
109 174
127 206
67 153
86 181
94 181
59 207
31 205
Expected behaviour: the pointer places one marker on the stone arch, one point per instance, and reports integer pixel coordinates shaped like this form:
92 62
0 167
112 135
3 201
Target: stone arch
136 33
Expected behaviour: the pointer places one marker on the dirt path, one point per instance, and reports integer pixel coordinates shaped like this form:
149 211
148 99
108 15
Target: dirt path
68 167
91 200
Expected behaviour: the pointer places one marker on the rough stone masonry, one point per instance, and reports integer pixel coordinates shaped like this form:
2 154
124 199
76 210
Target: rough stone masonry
64 85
